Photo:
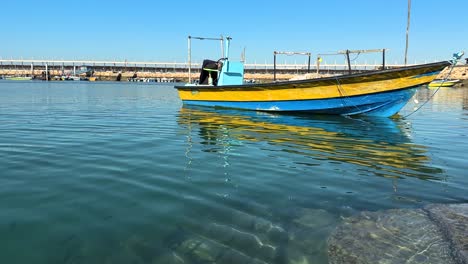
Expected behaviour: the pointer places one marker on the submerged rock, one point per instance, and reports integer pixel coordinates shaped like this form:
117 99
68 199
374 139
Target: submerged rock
314 219
169 258
242 241
392 236
306 242
452 219
199 249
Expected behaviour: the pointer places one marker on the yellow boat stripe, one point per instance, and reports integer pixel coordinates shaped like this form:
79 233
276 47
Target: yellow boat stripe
304 91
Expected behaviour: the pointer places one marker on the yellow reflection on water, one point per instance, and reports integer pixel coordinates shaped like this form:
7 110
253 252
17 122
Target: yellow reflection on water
382 146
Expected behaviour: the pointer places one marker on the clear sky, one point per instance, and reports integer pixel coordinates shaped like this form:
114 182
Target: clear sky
157 30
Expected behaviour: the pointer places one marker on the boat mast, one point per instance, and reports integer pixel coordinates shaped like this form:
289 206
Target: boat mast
189 60
407 31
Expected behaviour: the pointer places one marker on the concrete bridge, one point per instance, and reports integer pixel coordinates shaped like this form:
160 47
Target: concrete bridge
108 70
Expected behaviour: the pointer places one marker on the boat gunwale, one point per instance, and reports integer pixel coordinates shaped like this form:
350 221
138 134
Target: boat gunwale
344 79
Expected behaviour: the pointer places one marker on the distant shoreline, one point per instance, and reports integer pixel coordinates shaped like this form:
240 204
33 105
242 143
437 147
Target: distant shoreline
459 72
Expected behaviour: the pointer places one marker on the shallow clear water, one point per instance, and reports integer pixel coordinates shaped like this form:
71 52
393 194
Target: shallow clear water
122 173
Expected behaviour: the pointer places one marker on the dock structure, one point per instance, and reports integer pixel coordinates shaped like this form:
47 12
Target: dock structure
109 70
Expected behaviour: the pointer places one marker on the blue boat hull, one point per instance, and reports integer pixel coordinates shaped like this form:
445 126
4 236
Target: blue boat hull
382 104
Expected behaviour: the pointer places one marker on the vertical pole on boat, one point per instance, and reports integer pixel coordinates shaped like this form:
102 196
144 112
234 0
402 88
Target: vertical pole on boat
189 60
407 31
228 43
383 59
349 61
274 65
243 56
308 65
222 46
32 70
46 72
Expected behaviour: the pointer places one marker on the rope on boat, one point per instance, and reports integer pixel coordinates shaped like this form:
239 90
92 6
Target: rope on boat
454 61
355 58
343 94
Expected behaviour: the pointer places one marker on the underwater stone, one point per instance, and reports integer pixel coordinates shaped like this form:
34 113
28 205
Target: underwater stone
234 257
392 236
242 241
307 231
314 219
221 233
201 249
263 228
242 219
140 248
452 219
169 258
274 232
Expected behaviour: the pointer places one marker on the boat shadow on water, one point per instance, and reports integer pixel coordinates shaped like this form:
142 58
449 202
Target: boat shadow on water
382 144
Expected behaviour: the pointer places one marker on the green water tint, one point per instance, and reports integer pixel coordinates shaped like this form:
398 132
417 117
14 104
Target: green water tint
240 237
436 233
122 173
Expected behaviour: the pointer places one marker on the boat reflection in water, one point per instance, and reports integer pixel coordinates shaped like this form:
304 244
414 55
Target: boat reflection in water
381 145
289 180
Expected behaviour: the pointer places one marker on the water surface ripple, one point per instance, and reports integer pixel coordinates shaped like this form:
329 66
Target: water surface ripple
123 173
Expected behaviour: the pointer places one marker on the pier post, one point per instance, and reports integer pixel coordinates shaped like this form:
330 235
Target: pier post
349 61
318 64
383 59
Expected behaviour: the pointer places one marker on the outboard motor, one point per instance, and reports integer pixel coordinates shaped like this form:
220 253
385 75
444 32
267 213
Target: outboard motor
209 69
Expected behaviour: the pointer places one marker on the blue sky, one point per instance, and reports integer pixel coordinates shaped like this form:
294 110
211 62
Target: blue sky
158 30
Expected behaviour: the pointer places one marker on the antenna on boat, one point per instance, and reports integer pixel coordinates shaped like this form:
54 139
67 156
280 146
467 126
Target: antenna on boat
222 46
190 51
407 31
243 56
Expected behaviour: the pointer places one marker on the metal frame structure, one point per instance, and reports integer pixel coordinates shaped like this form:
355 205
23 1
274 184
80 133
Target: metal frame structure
289 53
190 51
347 52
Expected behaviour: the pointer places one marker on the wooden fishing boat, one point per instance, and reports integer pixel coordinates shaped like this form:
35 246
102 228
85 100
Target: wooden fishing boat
443 83
376 93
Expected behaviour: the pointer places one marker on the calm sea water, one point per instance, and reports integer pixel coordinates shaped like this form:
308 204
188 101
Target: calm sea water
123 173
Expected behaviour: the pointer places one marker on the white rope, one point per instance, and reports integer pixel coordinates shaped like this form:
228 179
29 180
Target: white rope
454 62
344 96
